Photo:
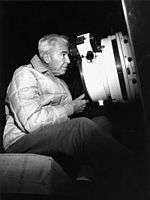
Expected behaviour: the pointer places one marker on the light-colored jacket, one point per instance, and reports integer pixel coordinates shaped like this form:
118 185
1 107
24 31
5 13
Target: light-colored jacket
35 97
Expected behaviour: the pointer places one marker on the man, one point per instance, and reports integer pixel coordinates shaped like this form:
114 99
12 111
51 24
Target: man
38 109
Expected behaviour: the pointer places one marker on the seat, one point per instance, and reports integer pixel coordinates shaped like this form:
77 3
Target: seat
24 176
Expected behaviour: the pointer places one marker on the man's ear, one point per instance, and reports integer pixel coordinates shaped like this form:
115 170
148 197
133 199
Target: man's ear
47 58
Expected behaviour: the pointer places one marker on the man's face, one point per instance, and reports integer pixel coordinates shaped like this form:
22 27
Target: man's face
59 59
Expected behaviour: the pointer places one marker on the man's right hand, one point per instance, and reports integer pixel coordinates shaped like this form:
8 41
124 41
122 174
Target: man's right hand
79 104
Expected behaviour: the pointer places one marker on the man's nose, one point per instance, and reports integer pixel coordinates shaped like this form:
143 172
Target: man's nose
67 59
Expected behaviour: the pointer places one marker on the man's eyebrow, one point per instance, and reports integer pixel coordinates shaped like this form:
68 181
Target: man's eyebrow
65 51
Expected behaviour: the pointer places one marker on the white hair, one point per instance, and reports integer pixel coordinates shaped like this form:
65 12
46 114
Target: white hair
47 42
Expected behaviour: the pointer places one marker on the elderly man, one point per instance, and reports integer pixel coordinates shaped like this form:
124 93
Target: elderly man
38 110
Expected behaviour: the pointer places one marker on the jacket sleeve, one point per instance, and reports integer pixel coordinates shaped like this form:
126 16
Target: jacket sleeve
27 105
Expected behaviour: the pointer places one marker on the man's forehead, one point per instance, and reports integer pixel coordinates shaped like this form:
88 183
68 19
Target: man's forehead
62 47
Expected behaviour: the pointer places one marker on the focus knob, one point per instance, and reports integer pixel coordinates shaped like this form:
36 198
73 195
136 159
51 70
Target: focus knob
89 56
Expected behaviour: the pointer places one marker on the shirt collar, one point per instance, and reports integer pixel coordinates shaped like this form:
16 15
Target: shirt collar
38 65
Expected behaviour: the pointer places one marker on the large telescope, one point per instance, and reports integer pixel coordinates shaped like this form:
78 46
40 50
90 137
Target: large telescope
107 68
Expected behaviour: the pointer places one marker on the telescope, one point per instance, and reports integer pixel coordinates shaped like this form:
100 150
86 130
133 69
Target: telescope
107 68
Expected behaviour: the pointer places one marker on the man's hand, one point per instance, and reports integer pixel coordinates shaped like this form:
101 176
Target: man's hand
79 104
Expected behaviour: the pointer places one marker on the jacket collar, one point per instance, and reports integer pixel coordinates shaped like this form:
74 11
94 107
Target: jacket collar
38 65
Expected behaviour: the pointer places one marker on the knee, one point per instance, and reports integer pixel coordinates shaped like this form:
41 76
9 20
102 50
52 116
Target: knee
102 121
87 126
104 124
86 122
85 130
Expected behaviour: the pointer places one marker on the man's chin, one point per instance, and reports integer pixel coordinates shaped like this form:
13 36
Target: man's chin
60 73
64 70
63 73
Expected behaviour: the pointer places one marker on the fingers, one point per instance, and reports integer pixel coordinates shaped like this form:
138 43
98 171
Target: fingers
84 102
82 107
87 101
81 96
79 103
